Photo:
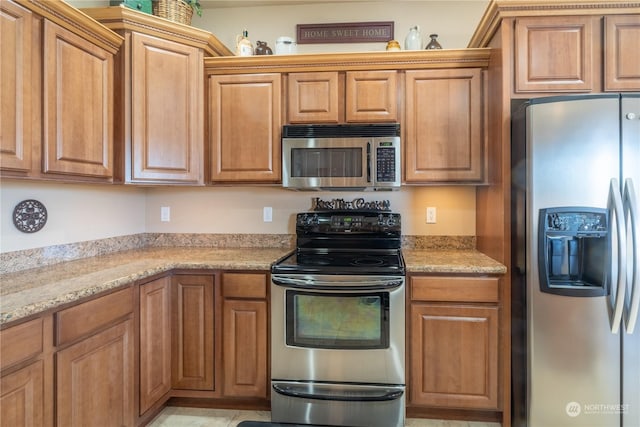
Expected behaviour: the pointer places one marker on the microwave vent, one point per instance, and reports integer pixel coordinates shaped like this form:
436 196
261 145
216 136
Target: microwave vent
341 131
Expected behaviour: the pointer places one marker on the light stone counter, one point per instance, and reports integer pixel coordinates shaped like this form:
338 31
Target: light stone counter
30 292
450 262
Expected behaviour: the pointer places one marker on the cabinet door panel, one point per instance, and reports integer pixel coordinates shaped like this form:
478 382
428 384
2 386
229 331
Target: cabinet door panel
454 356
192 332
245 348
555 54
21 397
155 341
313 97
95 380
245 127
622 44
371 96
16 84
167 111
78 105
444 140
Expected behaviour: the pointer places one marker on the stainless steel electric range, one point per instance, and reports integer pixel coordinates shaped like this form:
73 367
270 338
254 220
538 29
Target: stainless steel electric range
338 322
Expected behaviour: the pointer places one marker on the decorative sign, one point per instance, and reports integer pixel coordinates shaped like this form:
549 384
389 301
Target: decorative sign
29 216
349 32
356 204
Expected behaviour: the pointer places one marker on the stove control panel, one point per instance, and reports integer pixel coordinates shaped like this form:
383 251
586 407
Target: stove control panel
361 222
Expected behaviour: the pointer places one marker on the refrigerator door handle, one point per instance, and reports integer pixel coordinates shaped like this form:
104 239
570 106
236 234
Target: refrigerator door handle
617 299
632 303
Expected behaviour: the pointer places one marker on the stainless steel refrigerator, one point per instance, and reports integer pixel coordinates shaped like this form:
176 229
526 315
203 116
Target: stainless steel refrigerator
575 248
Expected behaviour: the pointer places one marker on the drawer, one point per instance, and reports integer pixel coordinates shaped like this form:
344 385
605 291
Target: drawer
86 318
21 342
455 289
244 285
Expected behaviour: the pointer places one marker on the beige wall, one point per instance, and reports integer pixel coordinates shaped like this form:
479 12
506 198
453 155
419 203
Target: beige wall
75 213
239 209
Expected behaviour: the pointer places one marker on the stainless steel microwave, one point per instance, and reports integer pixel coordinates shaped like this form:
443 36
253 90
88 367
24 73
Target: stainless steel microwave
341 157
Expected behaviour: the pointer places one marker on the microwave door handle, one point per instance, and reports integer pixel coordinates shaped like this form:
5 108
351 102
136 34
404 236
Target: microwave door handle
368 161
633 292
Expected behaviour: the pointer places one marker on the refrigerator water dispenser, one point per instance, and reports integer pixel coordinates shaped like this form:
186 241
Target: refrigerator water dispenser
573 251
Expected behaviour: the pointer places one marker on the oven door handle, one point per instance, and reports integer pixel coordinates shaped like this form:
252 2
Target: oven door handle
353 396
368 284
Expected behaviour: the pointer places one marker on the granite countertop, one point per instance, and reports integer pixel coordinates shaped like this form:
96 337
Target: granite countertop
29 292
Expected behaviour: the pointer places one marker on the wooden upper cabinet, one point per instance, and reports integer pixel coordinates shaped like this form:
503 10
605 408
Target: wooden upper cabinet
77 105
622 58
444 141
245 127
314 97
16 87
556 54
334 97
371 96
167 112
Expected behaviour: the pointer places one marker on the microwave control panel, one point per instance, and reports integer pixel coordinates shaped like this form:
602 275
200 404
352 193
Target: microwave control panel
386 162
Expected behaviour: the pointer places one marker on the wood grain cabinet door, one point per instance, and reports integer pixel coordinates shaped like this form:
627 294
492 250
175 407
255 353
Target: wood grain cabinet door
556 54
313 97
192 328
16 87
167 111
95 380
22 397
622 52
245 127
155 341
245 334
371 96
454 356
77 106
443 126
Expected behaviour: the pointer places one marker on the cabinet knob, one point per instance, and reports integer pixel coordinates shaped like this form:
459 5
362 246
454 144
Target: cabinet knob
631 116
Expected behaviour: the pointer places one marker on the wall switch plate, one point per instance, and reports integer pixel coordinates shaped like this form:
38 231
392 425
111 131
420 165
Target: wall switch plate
431 215
165 213
267 214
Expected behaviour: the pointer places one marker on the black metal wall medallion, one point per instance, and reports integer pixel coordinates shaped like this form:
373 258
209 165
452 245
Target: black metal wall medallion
29 216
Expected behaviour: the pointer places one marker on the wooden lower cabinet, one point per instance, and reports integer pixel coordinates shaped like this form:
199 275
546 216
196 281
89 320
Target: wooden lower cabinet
244 335
454 356
155 342
192 331
22 397
453 335
95 379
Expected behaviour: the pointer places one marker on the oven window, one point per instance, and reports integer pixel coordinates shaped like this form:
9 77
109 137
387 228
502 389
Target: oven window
337 320
326 162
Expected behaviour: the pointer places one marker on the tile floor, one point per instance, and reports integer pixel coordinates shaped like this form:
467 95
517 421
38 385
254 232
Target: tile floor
201 417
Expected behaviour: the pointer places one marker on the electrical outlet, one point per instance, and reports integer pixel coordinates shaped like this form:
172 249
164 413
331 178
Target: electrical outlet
165 213
267 214
431 215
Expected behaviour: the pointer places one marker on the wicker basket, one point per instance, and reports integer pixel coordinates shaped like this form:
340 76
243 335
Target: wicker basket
173 10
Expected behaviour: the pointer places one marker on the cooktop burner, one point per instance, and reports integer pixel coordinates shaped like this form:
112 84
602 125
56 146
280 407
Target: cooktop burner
384 261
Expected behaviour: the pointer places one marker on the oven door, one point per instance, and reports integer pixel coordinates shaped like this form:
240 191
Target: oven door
338 328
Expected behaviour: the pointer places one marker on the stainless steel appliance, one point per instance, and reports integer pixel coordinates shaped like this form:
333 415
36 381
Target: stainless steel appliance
338 322
341 157
576 339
